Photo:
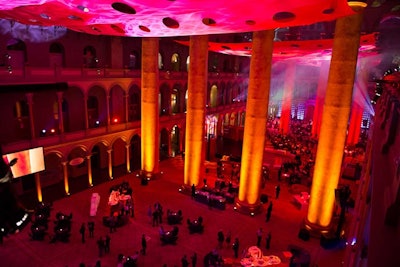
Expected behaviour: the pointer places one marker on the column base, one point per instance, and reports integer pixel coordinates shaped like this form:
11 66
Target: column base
315 230
248 209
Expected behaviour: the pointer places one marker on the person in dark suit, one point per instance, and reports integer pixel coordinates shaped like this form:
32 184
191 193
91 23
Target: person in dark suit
82 230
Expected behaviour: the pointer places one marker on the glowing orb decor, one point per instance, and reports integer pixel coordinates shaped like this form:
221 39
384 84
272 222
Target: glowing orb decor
171 17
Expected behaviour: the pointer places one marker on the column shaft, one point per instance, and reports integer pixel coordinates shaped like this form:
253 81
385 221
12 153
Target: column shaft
110 167
286 114
128 158
150 116
256 119
65 174
38 187
355 124
196 103
89 166
335 118
319 101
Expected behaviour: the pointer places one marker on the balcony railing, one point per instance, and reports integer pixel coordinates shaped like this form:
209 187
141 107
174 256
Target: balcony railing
28 74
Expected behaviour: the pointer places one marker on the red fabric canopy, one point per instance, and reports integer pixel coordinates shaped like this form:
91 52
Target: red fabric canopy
172 18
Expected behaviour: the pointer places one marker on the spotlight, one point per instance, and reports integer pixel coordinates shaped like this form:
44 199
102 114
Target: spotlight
251 213
180 189
234 208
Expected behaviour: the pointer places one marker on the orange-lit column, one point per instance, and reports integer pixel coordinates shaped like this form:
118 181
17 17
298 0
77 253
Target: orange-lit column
196 109
255 122
38 187
335 118
65 174
128 158
286 114
150 128
89 166
319 101
110 170
355 124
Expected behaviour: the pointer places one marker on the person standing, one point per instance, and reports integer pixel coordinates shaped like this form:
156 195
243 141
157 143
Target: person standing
107 244
144 244
235 247
268 240
228 238
82 230
90 226
194 259
277 191
100 246
185 262
193 191
259 236
220 238
269 211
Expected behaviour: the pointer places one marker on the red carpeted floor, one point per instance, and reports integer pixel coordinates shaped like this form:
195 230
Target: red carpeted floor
19 250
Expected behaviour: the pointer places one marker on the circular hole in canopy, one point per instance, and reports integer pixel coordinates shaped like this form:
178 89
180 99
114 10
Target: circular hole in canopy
283 16
209 21
45 16
170 23
328 11
124 8
250 22
144 28
73 17
117 28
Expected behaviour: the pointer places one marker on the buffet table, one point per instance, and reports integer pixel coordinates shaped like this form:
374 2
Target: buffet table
301 201
255 258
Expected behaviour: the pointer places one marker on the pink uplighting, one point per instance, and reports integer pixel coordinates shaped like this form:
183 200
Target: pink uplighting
171 18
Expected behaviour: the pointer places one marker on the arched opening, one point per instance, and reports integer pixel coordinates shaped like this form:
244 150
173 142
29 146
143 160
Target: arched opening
134 104
21 118
214 96
89 57
117 105
16 53
135 154
98 161
56 51
164 144
175 101
134 60
93 112
119 158
175 62
175 141
51 179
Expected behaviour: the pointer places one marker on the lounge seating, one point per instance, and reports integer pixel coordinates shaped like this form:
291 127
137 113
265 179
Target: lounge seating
169 237
196 226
